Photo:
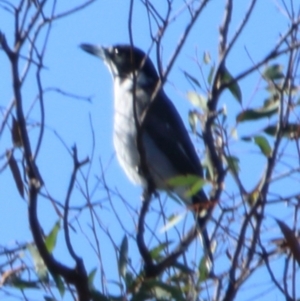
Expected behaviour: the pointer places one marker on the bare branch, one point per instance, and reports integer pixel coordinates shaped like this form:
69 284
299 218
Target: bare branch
77 166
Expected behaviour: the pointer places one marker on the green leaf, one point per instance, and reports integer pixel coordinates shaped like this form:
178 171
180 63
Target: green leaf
167 292
40 267
290 130
273 100
273 72
14 168
291 240
195 187
123 257
172 221
252 197
208 167
155 252
234 133
234 87
246 138
271 130
263 144
23 284
186 180
197 100
193 183
211 75
192 79
50 240
233 163
59 284
203 269
206 57
193 120
129 280
253 114
91 277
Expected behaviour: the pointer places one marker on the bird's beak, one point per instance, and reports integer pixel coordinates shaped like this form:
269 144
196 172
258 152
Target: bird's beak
95 50
104 54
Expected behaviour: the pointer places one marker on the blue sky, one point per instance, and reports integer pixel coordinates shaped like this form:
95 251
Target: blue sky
71 70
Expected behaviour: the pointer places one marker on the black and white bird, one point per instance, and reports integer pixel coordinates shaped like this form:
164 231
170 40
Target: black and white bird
167 147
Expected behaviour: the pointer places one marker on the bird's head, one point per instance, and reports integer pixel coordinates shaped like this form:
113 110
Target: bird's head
124 60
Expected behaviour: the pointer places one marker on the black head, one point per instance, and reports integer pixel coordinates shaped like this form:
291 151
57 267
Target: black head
123 60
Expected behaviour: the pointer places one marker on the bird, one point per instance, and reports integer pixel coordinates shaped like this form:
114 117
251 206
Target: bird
142 109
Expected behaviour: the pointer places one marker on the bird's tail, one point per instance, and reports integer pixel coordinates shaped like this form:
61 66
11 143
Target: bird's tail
206 245
203 211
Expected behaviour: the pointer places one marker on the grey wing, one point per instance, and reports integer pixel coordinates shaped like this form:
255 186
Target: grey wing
166 128
164 125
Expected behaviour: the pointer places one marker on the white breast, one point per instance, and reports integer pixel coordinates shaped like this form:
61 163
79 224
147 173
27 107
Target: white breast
125 142
125 131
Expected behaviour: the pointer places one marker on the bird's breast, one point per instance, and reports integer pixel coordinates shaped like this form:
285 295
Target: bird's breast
125 131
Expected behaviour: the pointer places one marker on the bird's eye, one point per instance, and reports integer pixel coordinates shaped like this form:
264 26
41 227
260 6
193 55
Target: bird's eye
116 51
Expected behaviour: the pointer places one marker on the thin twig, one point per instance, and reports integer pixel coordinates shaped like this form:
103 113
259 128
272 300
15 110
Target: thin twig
76 166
